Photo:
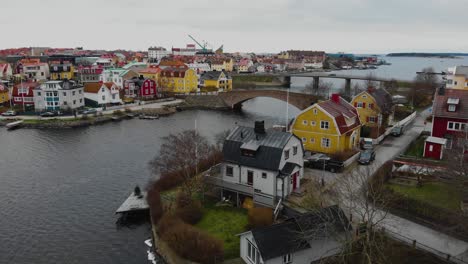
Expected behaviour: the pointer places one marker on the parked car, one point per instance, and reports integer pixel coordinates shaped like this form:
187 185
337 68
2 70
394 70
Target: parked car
366 143
49 114
366 157
323 162
397 131
89 111
9 113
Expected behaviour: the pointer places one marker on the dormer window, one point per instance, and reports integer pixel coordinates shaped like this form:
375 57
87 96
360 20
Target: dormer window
452 104
286 154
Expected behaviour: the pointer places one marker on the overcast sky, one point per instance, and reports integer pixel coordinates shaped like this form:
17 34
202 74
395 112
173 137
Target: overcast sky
359 26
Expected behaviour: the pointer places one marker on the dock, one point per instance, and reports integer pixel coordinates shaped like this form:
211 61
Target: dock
133 203
13 125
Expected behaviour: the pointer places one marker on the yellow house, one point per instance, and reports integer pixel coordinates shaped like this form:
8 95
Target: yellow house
375 107
62 70
151 72
4 94
178 80
331 126
216 79
458 78
222 64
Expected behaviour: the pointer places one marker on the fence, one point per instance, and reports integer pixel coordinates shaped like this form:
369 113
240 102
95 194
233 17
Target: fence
403 123
415 244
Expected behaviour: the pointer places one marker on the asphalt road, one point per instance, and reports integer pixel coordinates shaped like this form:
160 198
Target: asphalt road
387 150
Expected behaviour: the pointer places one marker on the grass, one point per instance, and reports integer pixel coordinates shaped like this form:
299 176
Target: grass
416 148
42 121
225 223
435 193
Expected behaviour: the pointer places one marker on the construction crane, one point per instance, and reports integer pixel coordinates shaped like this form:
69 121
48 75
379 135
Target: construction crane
203 47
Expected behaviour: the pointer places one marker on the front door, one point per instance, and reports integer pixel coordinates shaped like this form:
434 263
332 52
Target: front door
294 181
250 177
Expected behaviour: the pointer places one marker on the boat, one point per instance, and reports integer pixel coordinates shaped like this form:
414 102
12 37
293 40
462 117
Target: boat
14 125
147 117
131 115
116 118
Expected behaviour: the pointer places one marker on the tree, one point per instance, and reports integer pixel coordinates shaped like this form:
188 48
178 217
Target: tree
323 90
180 155
424 87
370 81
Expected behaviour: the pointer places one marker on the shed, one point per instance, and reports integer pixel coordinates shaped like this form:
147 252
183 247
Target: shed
434 147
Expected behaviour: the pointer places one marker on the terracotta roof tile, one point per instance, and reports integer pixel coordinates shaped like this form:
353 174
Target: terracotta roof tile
440 106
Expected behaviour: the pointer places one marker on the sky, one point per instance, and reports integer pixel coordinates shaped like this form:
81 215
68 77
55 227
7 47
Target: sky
357 26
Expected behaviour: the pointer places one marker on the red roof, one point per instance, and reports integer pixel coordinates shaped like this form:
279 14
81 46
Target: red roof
30 85
440 107
340 112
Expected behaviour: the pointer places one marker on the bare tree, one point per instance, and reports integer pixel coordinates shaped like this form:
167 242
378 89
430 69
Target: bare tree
424 87
370 81
180 155
323 90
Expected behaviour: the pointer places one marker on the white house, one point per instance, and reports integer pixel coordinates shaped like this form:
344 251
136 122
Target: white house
157 53
102 93
58 95
265 166
199 67
116 76
305 239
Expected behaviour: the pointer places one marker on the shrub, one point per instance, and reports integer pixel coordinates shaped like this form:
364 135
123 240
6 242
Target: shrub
193 244
260 216
190 214
168 221
128 110
343 155
154 202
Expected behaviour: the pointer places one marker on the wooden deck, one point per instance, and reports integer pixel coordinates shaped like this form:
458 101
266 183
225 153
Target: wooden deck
133 203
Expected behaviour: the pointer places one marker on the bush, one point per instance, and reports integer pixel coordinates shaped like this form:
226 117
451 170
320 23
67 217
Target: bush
190 214
193 244
154 202
166 222
259 217
344 155
128 110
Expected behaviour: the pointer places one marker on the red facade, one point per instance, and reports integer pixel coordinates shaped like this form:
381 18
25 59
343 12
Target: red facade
440 127
140 87
148 88
23 93
433 150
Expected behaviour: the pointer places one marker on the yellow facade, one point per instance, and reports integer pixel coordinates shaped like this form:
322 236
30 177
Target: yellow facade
367 108
4 96
186 84
226 65
69 74
222 83
324 138
459 82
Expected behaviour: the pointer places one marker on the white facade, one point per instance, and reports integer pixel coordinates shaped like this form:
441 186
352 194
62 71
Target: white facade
58 95
199 68
37 71
157 53
113 75
104 62
105 95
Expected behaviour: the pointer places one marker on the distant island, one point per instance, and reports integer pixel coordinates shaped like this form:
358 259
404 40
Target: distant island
427 55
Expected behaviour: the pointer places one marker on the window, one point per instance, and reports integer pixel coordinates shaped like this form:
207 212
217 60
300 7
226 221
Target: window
326 142
81 100
312 140
364 96
451 108
103 97
64 93
294 150
287 259
73 93
39 93
372 119
431 148
324 124
64 102
79 91
229 171
250 175
359 105
304 139
286 154
252 253
55 93
312 123
74 102
102 89
457 126
371 105
304 122
264 175
315 111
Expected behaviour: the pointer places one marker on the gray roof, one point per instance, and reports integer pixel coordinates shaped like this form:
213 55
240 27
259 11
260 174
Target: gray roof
383 99
213 75
461 70
269 151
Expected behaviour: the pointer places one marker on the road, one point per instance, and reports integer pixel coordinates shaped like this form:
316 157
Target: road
133 107
388 150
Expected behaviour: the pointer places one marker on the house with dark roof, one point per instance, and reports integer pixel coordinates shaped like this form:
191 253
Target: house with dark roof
450 115
216 79
307 238
58 95
375 107
330 126
259 166
140 87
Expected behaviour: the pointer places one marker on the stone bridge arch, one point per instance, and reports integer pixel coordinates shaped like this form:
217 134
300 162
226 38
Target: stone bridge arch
234 99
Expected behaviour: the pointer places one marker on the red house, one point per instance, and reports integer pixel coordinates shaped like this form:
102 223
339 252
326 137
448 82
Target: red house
140 87
23 93
434 147
450 115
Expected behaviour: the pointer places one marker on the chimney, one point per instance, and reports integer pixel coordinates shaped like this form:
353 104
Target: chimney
259 127
335 98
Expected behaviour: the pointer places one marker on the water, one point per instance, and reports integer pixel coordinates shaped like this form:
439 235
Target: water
59 189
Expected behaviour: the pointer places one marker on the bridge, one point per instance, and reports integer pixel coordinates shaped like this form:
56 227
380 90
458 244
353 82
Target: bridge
286 76
235 98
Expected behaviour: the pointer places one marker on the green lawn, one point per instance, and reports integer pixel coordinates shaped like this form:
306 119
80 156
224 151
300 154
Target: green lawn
435 193
416 148
225 223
